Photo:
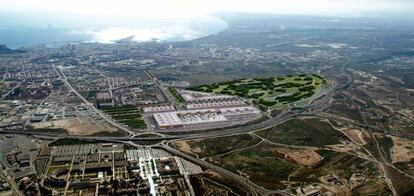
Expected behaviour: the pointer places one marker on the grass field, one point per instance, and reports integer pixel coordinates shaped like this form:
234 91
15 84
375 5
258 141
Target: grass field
128 115
261 164
341 108
270 92
215 146
309 132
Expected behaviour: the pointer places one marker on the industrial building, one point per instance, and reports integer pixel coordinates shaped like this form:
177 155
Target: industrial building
157 109
205 118
201 111
216 104
112 169
195 96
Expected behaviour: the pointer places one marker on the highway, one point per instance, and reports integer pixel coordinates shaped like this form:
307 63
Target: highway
292 112
253 188
92 106
160 86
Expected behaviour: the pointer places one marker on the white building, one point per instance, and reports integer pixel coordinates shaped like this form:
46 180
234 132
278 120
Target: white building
216 104
195 96
206 118
158 109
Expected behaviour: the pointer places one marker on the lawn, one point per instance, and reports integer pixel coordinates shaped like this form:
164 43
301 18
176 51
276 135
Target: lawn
270 92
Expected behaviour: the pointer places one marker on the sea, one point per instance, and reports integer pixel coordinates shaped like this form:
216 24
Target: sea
19 33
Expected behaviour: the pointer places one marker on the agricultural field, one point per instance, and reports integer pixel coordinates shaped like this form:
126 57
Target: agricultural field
273 92
128 115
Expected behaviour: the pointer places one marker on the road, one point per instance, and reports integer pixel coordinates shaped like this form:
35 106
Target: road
318 101
293 112
92 106
10 180
11 90
253 188
160 86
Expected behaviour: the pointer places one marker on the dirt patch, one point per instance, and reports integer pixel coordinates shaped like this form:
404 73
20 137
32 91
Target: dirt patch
402 150
344 147
185 147
356 135
213 174
77 126
306 157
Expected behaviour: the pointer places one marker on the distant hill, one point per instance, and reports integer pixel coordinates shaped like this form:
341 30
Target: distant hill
125 40
5 50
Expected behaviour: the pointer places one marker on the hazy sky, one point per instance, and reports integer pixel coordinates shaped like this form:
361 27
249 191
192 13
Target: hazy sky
193 8
108 20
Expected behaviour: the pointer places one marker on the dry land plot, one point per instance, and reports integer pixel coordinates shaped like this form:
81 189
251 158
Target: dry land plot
402 150
77 126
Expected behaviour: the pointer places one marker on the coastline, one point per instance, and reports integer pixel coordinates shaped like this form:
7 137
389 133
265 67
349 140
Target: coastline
27 37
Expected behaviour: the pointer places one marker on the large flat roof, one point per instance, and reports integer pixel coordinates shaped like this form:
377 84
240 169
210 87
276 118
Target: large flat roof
167 119
189 117
202 96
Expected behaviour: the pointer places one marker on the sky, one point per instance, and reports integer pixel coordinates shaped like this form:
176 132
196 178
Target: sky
108 20
194 8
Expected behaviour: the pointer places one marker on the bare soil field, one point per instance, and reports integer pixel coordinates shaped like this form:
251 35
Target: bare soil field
185 147
304 157
356 135
77 126
402 150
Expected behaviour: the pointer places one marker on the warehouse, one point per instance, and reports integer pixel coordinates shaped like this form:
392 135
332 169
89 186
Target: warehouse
158 109
216 104
195 96
183 118
205 118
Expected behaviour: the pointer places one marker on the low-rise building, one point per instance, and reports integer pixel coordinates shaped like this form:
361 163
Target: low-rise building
205 118
158 109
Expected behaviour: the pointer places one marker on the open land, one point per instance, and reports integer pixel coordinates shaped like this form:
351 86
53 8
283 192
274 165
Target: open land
270 92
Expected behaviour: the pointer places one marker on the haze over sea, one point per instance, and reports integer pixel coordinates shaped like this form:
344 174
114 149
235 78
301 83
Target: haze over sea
17 31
